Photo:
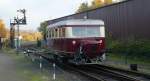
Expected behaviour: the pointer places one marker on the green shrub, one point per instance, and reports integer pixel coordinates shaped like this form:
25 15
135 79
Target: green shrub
131 47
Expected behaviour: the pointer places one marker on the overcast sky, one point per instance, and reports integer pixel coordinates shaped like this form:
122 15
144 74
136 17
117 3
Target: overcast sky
37 10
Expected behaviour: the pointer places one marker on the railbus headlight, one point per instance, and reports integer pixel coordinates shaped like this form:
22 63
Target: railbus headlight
73 42
101 41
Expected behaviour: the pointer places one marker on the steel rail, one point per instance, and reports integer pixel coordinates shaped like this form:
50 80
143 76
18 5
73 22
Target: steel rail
130 72
107 72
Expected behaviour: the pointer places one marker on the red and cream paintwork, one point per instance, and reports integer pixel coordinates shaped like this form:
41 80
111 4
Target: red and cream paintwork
63 42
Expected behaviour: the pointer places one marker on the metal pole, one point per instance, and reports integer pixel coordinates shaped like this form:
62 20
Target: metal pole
54 74
18 37
40 62
18 22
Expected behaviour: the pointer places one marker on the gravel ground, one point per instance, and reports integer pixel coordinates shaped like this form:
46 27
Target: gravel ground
20 68
8 71
61 75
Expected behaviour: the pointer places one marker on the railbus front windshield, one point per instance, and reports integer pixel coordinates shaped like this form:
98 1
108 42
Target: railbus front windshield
86 31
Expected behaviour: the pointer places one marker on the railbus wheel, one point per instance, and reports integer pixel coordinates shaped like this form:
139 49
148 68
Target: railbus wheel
80 57
55 57
88 60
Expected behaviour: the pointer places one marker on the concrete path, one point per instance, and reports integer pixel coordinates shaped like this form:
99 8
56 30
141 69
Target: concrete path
8 71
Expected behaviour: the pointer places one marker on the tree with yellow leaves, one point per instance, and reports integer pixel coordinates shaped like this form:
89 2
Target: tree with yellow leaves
108 2
83 7
94 4
97 3
100 3
3 31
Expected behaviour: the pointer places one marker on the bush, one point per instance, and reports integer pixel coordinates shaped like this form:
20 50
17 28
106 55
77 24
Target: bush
131 47
38 43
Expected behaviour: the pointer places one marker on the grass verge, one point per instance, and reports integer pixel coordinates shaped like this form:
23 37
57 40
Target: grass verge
25 67
124 61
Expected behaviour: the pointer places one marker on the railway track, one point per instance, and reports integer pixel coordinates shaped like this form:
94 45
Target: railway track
97 74
117 74
135 74
94 72
86 74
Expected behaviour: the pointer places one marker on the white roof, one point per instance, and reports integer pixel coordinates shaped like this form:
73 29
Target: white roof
77 22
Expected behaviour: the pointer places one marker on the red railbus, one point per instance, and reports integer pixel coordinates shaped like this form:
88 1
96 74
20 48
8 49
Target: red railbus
79 40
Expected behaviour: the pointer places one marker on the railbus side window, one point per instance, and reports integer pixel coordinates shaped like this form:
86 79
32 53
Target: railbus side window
52 33
47 32
56 33
63 32
60 32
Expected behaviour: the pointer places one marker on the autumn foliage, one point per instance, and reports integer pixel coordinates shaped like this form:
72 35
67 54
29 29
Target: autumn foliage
26 36
3 31
30 36
94 4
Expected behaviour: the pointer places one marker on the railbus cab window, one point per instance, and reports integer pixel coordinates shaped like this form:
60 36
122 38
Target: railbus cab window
86 31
